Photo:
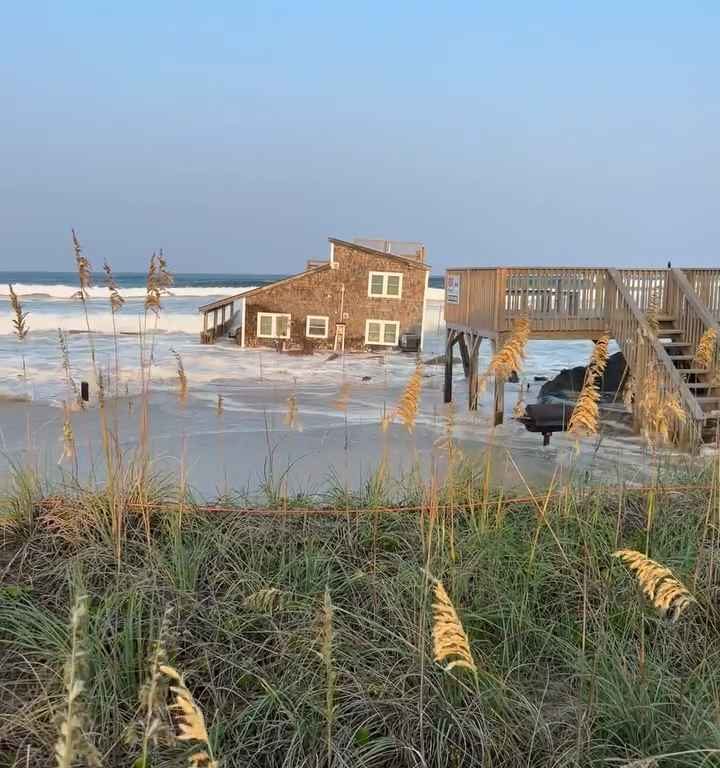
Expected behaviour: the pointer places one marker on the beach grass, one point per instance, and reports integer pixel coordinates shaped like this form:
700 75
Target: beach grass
307 638
426 620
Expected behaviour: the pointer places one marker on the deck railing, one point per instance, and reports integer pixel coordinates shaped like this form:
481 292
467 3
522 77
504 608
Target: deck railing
555 300
560 300
642 350
692 317
706 284
645 287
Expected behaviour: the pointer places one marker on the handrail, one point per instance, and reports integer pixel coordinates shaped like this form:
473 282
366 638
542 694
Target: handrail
692 315
629 346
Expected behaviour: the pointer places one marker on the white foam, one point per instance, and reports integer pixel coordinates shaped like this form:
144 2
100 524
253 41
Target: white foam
62 291
102 322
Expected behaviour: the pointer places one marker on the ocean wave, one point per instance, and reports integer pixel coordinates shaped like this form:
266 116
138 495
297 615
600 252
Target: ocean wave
126 322
62 291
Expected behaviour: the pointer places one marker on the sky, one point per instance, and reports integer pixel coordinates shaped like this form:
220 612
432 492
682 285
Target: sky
239 136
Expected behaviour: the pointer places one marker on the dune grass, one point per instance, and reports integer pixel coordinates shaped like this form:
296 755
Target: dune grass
308 640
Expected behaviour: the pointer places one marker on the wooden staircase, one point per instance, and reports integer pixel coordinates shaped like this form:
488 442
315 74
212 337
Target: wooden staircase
587 302
701 382
681 322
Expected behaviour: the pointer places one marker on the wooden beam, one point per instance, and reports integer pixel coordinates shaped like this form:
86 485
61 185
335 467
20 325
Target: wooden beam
464 354
473 377
499 393
451 338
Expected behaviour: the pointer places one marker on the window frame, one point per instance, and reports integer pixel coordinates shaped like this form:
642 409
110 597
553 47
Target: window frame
309 335
382 342
385 276
274 316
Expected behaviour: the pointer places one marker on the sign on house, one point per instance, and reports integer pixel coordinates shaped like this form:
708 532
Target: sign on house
452 289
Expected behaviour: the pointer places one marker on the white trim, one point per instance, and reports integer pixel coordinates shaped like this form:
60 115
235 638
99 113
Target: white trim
382 342
244 317
385 294
424 310
309 335
273 333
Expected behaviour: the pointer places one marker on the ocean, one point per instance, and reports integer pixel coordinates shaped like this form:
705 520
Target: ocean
34 369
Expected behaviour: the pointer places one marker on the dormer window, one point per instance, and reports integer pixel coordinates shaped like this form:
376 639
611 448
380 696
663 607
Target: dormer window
385 285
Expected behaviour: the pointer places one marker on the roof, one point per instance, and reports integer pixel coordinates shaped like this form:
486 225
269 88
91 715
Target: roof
375 252
408 261
237 296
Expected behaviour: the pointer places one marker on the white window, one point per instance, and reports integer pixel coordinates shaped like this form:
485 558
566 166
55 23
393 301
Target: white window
384 332
272 325
316 327
387 285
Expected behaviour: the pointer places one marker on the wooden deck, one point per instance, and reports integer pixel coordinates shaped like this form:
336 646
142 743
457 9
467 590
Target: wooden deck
585 303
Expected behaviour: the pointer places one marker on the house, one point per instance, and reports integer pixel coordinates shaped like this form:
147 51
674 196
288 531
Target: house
367 294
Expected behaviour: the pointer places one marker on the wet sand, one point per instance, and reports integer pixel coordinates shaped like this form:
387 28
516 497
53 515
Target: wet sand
249 442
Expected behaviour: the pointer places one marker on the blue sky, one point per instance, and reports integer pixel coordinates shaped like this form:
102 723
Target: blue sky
239 136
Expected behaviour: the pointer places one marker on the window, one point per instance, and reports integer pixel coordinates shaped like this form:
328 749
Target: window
383 332
271 325
387 285
316 327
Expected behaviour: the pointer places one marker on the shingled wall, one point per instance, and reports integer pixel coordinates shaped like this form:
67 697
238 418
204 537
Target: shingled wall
319 292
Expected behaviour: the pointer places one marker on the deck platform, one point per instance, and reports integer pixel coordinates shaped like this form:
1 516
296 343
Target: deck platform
585 303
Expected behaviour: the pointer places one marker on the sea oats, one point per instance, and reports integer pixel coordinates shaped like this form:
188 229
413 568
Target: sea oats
511 356
705 350
585 418
659 412
153 693
450 641
291 416
667 593
19 322
73 741
189 719
116 299
181 376
84 270
410 401
326 653
653 312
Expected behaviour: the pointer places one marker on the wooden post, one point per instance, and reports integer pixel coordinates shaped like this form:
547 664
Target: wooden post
499 406
449 365
473 377
204 338
464 354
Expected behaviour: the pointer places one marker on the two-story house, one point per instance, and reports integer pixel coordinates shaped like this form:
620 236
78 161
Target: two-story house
365 295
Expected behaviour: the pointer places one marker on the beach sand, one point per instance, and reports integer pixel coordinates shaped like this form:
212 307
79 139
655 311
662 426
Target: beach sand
250 443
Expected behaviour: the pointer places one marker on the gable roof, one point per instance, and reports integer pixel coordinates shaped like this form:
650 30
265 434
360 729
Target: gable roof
406 260
260 288
403 259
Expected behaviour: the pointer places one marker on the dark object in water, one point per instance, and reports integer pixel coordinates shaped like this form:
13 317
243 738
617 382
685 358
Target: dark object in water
366 378
514 378
539 378
569 381
85 391
547 418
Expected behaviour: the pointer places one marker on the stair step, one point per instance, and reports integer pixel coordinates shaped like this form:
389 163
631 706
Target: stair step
663 332
682 357
692 371
701 385
665 318
712 403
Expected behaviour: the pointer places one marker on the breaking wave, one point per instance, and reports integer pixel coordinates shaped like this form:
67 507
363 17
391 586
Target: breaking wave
62 291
